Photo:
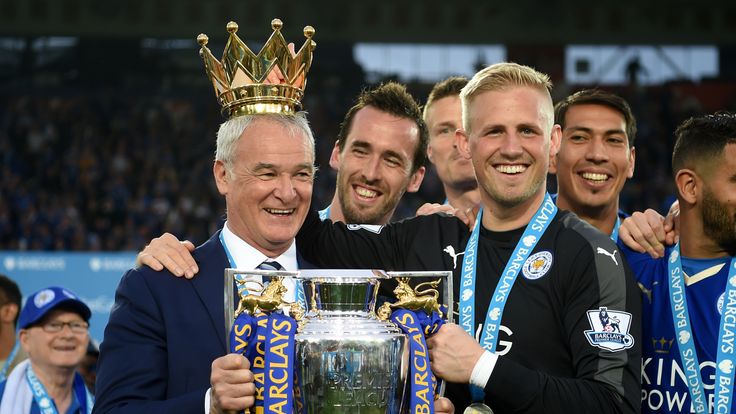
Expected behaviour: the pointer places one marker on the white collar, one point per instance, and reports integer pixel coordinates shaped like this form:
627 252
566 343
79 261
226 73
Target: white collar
248 257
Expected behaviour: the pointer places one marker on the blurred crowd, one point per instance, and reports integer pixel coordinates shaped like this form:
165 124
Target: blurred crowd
102 172
109 170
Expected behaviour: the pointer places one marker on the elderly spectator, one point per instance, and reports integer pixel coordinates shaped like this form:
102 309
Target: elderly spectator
54 334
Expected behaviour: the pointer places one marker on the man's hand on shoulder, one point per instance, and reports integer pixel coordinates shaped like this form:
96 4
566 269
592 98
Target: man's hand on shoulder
468 216
649 232
433 208
170 253
672 224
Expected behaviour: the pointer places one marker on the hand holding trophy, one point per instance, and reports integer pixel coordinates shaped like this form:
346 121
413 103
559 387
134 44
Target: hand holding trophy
232 386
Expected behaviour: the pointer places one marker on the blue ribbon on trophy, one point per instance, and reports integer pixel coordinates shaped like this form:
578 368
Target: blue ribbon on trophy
279 367
431 324
266 338
248 337
257 356
418 313
423 382
242 334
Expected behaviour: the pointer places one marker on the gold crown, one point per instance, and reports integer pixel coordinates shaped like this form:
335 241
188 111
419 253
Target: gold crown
271 82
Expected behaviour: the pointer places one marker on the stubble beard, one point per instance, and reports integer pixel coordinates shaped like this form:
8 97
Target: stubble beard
508 201
354 215
717 223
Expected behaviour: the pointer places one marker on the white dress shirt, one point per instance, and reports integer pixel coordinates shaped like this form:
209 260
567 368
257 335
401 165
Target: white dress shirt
247 257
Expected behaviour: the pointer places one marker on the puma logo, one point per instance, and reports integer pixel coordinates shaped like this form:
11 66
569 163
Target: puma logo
451 251
606 253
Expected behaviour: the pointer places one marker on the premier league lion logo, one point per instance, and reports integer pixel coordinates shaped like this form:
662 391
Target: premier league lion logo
610 324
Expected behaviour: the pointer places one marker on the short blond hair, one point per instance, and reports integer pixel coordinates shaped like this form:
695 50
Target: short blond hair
502 76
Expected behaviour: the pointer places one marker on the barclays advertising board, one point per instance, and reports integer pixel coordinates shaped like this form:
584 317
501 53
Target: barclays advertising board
92 276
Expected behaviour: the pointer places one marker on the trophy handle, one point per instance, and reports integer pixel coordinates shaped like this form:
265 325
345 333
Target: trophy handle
271 298
229 303
444 286
414 299
313 301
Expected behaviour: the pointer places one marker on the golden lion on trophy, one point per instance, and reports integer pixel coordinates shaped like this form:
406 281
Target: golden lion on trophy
413 299
269 300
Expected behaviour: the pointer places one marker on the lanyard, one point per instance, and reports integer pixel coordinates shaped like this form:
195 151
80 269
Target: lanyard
325 214
301 297
43 401
46 404
686 343
532 234
11 357
614 233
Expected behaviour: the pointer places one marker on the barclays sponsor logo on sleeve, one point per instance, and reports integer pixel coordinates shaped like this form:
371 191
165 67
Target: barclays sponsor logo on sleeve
610 329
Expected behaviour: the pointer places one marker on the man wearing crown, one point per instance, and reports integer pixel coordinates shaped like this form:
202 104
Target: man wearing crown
165 341
164 344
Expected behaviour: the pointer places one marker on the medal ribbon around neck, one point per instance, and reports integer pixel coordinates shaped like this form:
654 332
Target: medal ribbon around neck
528 241
325 214
46 404
11 357
726 356
416 325
614 233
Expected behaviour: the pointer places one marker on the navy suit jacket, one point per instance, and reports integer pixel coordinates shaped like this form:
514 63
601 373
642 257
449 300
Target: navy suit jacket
162 336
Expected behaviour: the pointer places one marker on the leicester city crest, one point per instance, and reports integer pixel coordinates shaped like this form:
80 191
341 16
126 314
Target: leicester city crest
537 265
43 298
610 329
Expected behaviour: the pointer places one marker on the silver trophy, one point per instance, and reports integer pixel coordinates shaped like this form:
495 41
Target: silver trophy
349 360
